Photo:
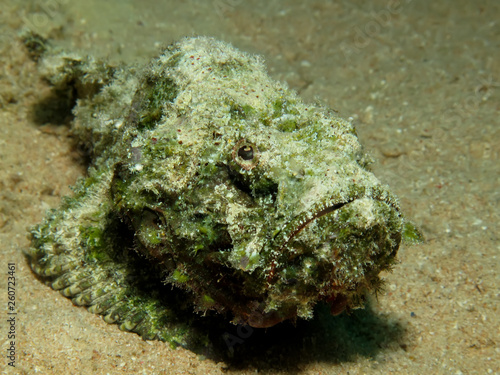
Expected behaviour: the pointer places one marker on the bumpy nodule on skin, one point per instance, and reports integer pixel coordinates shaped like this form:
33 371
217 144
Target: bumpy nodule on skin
209 176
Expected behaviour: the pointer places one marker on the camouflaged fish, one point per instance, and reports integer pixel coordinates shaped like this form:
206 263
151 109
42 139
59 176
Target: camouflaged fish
214 189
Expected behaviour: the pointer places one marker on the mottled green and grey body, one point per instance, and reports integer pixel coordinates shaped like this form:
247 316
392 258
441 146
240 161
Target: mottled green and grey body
209 176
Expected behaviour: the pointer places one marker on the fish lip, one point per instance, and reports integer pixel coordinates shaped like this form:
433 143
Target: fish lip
317 215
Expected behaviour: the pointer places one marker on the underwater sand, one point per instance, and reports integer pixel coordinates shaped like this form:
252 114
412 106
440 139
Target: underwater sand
421 79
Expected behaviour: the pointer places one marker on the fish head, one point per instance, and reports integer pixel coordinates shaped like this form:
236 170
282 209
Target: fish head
256 203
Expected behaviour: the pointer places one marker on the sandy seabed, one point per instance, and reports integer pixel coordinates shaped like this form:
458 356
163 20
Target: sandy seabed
421 80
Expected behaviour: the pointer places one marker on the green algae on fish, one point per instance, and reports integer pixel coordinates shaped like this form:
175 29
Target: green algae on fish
215 189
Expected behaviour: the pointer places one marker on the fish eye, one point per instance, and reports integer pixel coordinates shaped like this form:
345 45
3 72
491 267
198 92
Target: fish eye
246 154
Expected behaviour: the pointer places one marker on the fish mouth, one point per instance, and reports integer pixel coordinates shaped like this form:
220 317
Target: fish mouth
293 228
346 251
